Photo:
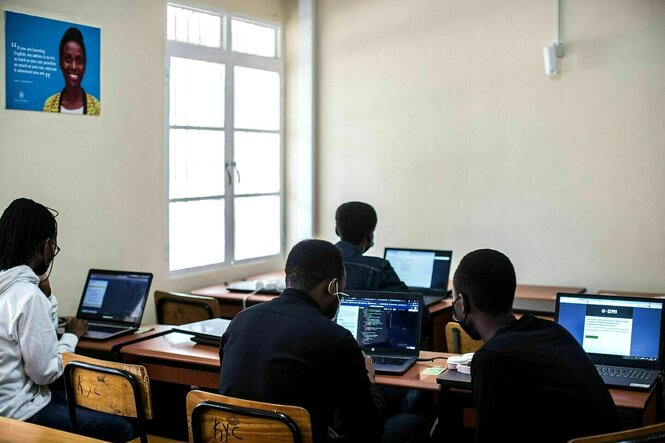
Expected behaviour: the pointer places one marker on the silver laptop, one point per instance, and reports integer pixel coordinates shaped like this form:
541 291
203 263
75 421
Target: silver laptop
621 335
207 332
113 302
423 270
386 325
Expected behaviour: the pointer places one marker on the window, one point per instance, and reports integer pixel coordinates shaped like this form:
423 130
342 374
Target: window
225 119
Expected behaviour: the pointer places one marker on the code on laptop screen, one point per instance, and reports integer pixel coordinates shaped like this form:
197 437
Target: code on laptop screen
381 323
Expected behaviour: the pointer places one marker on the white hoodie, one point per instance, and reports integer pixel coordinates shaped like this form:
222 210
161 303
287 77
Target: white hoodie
30 354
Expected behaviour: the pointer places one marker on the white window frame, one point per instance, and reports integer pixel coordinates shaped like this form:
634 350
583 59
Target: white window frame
230 59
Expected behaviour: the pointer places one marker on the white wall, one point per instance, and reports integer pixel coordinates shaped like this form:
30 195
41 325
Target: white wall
440 115
106 175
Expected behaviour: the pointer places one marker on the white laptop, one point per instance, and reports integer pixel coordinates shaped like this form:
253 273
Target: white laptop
386 326
113 302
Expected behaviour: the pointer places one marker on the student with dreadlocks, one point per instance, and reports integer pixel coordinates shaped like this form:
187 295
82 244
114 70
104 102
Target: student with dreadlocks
30 353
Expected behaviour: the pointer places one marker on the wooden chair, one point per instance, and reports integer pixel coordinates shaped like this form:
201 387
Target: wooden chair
113 388
458 341
214 417
653 433
174 308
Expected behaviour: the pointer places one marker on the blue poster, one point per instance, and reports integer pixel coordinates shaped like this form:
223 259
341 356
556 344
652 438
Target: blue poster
51 65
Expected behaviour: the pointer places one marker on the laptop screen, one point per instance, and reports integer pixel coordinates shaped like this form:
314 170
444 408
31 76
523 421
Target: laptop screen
421 268
613 330
383 321
115 296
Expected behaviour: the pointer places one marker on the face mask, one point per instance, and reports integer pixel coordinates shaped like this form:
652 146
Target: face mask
333 309
469 329
43 267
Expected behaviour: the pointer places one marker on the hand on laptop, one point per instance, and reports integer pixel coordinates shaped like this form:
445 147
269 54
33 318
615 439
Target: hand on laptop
76 326
369 365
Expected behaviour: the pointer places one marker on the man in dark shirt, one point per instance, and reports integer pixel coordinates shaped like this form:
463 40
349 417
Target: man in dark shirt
288 351
355 224
530 374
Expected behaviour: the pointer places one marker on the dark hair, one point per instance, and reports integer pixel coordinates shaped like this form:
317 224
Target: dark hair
354 221
312 261
23 226
488 278
72 35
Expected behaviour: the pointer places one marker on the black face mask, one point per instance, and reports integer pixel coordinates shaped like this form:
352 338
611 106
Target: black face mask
43 267
469 329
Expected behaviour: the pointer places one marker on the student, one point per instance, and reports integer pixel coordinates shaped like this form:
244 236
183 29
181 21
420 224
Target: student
288 351
355 224
30 353
531 375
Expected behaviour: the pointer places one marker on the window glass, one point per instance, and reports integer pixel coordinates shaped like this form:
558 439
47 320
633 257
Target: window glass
257 226
196 163
196 93
257 158
257 103
252 38
196 233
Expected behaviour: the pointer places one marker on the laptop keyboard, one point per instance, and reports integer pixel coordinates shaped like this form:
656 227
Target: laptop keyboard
103 328
623 372
394 361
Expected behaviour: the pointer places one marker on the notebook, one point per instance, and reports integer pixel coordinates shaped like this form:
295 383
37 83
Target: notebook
386 326
207 332
113 302
621 335
423 270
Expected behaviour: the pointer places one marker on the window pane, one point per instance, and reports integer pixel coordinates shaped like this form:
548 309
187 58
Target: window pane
193 27
196 93
196 163
258 162
257 226
196 233
251 38
257 103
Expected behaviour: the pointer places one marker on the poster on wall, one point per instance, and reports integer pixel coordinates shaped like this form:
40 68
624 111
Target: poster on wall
51 65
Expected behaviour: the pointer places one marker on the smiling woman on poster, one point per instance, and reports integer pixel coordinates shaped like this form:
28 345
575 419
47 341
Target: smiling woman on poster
72 99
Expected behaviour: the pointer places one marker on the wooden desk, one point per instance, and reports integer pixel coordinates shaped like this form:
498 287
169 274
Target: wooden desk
22 432
630 294
174 358
110 349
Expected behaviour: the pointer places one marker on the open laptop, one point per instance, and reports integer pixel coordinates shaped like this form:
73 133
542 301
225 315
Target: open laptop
113 302
386 326
423 270
207 332
621 335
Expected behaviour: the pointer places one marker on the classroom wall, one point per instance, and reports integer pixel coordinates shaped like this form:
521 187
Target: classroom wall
107 176
439 114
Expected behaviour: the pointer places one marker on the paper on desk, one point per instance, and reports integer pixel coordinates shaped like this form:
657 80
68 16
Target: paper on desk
434 370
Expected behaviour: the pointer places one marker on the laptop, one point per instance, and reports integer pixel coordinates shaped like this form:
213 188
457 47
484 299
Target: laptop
271 287
113 302
423 270
207 332
386 325
621 335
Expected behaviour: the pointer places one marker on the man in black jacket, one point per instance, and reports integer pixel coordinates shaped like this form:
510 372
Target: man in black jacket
288 351
531 374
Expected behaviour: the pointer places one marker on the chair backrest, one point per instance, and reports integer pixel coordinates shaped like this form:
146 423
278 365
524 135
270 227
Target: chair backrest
174 308
214 417
458 341
653 433
110 387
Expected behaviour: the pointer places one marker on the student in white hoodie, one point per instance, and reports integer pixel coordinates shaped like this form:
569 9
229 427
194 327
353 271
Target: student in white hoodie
30 353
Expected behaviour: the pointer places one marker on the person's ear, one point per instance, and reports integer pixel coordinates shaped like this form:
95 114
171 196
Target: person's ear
465 303
331 286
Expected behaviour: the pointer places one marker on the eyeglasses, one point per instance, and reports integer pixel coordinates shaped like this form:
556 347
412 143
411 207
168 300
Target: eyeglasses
55 248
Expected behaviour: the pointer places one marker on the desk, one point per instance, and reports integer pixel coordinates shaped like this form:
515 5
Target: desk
630 294
110 349
22 432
